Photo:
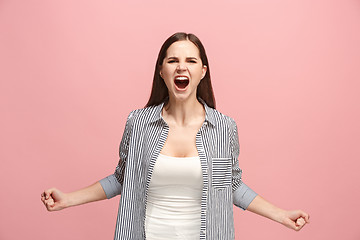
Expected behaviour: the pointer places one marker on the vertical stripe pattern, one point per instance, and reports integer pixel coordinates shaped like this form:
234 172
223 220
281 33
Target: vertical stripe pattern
218 148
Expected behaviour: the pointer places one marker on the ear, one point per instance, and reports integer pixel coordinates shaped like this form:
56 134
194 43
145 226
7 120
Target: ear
204 70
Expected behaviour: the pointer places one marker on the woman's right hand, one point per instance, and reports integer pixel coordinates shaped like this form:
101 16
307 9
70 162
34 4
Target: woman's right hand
54 199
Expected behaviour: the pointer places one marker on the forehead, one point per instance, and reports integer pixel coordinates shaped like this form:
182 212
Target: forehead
183 48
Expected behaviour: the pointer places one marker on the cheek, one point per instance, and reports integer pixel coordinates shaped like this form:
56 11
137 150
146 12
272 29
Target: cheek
167 77
197 71
167 81
168 71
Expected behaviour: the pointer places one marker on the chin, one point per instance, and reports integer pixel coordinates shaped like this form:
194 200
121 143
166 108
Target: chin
183 96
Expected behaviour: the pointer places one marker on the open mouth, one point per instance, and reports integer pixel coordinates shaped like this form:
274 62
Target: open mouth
181 82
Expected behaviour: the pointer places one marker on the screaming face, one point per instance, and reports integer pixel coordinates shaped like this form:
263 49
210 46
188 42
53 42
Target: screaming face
182 70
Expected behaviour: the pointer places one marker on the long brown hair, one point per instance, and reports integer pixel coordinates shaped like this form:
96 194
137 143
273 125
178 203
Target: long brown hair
159 90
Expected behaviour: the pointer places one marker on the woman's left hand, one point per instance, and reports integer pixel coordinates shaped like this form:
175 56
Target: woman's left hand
295 219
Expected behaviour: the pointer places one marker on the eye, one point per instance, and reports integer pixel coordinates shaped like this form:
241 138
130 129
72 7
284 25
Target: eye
171 61
192 60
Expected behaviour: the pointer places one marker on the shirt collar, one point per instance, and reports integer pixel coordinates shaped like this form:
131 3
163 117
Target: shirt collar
209 112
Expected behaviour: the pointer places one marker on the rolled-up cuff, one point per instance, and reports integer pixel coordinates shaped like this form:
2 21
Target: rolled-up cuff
243 196
111 186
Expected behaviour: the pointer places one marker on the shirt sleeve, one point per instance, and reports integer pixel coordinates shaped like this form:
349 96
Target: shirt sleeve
113 184
242 194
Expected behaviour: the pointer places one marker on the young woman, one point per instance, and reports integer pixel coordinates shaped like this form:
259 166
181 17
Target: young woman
178 172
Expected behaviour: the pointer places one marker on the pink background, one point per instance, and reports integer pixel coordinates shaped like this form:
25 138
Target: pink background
287 71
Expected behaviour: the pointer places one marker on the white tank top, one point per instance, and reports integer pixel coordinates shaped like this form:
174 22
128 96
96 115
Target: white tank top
174 199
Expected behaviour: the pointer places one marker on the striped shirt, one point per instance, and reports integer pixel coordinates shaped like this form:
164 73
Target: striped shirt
218 148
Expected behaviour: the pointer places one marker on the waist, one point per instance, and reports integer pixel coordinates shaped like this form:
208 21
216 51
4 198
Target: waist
173 204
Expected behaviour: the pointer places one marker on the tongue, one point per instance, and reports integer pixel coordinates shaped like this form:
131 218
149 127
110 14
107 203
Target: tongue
181 84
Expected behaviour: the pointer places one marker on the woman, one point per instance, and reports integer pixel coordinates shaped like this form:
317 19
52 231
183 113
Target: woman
178 172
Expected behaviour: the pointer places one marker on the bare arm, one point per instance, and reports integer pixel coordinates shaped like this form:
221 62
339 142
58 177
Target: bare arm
55 200
295 219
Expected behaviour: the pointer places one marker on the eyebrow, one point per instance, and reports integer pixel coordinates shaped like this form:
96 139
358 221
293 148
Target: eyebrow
186 58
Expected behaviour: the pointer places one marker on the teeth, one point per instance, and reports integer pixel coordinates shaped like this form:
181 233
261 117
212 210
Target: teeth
181 78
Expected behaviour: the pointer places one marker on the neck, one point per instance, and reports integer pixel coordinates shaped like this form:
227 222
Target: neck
183 112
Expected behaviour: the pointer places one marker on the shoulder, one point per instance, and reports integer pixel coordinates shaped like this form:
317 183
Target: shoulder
221 119
144 115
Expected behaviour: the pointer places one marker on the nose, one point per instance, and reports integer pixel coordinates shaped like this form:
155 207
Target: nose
181 67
